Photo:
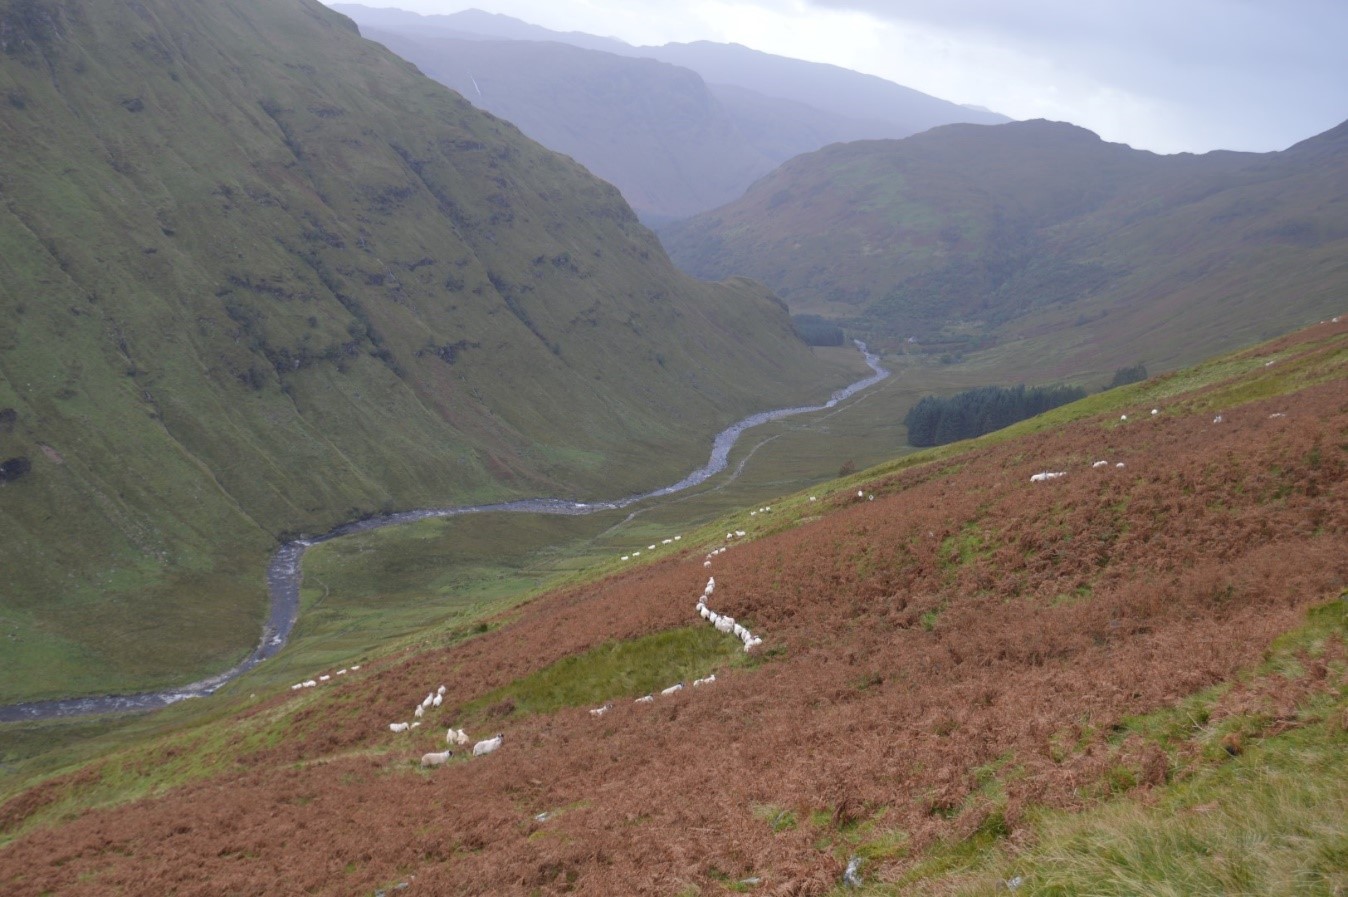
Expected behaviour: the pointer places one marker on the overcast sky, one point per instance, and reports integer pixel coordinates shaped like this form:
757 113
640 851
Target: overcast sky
1163 75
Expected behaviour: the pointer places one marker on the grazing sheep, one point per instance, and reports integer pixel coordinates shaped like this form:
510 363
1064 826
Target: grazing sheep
355 667
489 745
645 699
439 699
1155 411
414 725
740 533
1120 464
712 617
666 541
1123 417
398 727
650 548
740 632
703 612
441 690
1047 475
705 680
1100 464
600 711
296 686
626 557
426 702
439 759
419 712
812 498
1217 419
725 624
672 689
309 683
324 678
456 736
706 563
753 643
341 672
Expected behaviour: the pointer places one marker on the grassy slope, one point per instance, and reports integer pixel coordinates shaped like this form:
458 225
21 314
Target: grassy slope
260 276
1291 727
1039 235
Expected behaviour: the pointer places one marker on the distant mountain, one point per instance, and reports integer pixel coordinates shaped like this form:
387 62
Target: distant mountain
1037 231
674 142
651 129
261 276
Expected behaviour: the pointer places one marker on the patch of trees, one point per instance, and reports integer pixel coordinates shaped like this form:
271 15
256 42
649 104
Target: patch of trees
937 421
816 331
1124 376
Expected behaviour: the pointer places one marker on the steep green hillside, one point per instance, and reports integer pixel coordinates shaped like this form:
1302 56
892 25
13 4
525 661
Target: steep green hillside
965 235
259 275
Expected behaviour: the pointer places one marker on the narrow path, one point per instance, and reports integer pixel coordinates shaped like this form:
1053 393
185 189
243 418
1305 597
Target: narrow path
284 574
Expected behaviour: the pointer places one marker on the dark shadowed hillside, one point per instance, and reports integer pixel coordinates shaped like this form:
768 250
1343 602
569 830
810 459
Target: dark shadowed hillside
1092 252
261 276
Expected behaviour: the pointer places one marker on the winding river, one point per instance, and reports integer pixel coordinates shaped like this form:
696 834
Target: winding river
283 573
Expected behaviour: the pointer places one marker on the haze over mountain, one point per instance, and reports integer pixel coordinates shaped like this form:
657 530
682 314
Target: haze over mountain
672 141
965 236
260 275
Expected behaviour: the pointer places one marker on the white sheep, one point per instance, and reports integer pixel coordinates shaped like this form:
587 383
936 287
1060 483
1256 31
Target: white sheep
439 759
704 612
414 725
812 498
1155 411
456 736
324 678
740 632
666 541
706 563
645 699
626 557
672 689
398 727
650 548
1123 417
1047 475
1120 464
740 533
1100 464
427 701
712 617
725 624
441 690
1217 419
355 667
488 745
309 683
439 699
705 680
297 685
600 711
419 712
341 672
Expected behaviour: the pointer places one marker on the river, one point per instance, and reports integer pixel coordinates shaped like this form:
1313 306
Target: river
284 573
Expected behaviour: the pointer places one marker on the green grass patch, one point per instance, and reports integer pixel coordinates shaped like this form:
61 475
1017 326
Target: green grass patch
620 669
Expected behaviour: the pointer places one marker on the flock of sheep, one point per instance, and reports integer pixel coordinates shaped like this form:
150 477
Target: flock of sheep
453 736
326 677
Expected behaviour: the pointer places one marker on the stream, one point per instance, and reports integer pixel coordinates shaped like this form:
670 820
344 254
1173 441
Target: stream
284 573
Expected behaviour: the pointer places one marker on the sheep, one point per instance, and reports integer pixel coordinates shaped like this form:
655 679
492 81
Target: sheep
1047 475
440 759
1100 464
428 700
488 745
740 533
355 667
812 498
324 678
1120 464
677 687
645 699
414 725
1217 420
297 685
341 672
753 643
398 727
419 712
441 690
456 736
1123 417
705 680
725 624
666 541
650 548
706 563
439 699
711 585
739 631
309 683
712 617
703 612
600 711
678 538
861 494
626 557
1155 411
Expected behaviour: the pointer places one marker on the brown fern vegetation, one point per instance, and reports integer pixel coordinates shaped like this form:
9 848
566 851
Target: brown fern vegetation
938 661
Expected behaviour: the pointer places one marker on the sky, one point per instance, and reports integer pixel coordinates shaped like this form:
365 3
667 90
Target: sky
1162 75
